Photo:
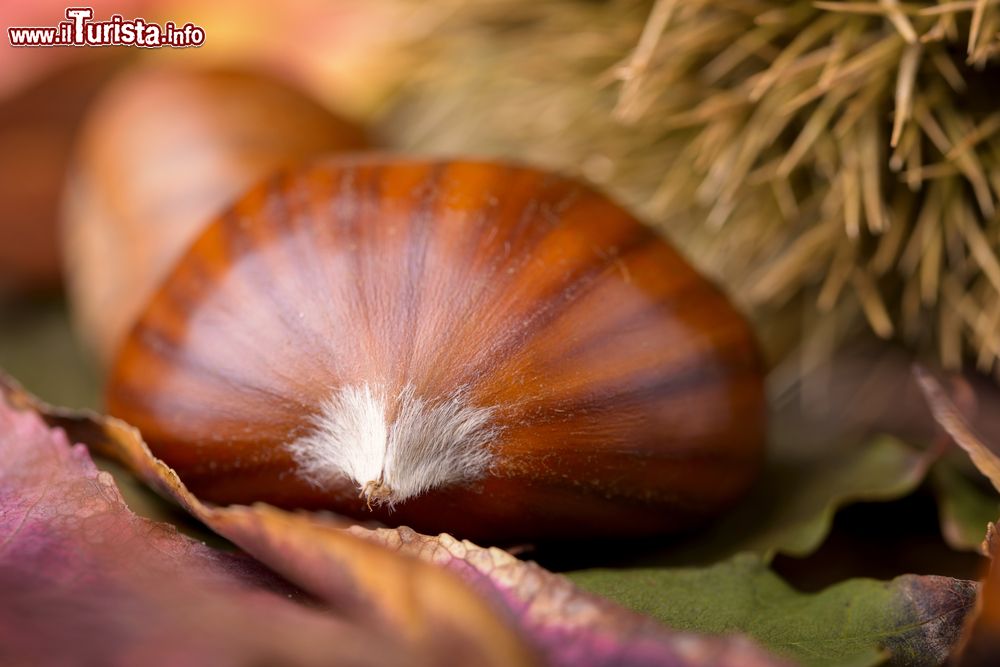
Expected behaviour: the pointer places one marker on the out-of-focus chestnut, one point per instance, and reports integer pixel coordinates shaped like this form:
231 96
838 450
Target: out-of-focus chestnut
38 124
162 151
471 347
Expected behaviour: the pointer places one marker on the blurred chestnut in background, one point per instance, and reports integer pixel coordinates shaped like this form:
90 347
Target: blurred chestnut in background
163 150
38 124
474 347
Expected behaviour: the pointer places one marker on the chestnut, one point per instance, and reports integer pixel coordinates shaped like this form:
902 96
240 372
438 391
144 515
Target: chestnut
162 150
472 347
38 125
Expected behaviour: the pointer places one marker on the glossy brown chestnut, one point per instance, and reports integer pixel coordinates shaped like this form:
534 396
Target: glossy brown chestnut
163 149
470 347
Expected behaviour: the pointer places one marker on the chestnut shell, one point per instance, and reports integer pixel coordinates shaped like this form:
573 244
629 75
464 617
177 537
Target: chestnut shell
163 150
38 125
628 388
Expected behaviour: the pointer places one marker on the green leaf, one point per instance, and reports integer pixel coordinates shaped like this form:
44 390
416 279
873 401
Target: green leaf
913 619
791 510
964 506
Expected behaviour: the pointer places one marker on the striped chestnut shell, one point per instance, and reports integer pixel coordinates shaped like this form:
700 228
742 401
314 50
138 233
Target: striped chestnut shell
478 348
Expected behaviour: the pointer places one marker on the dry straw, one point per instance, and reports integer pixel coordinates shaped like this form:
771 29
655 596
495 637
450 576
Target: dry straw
831 162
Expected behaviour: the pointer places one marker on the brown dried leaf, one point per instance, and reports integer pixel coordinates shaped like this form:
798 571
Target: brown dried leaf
952 420
85 581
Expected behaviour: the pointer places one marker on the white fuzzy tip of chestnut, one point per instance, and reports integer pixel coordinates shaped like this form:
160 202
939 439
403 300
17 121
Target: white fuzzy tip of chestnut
395 447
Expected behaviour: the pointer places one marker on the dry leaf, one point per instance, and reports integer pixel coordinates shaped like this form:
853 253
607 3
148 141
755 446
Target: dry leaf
85 581
958 426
